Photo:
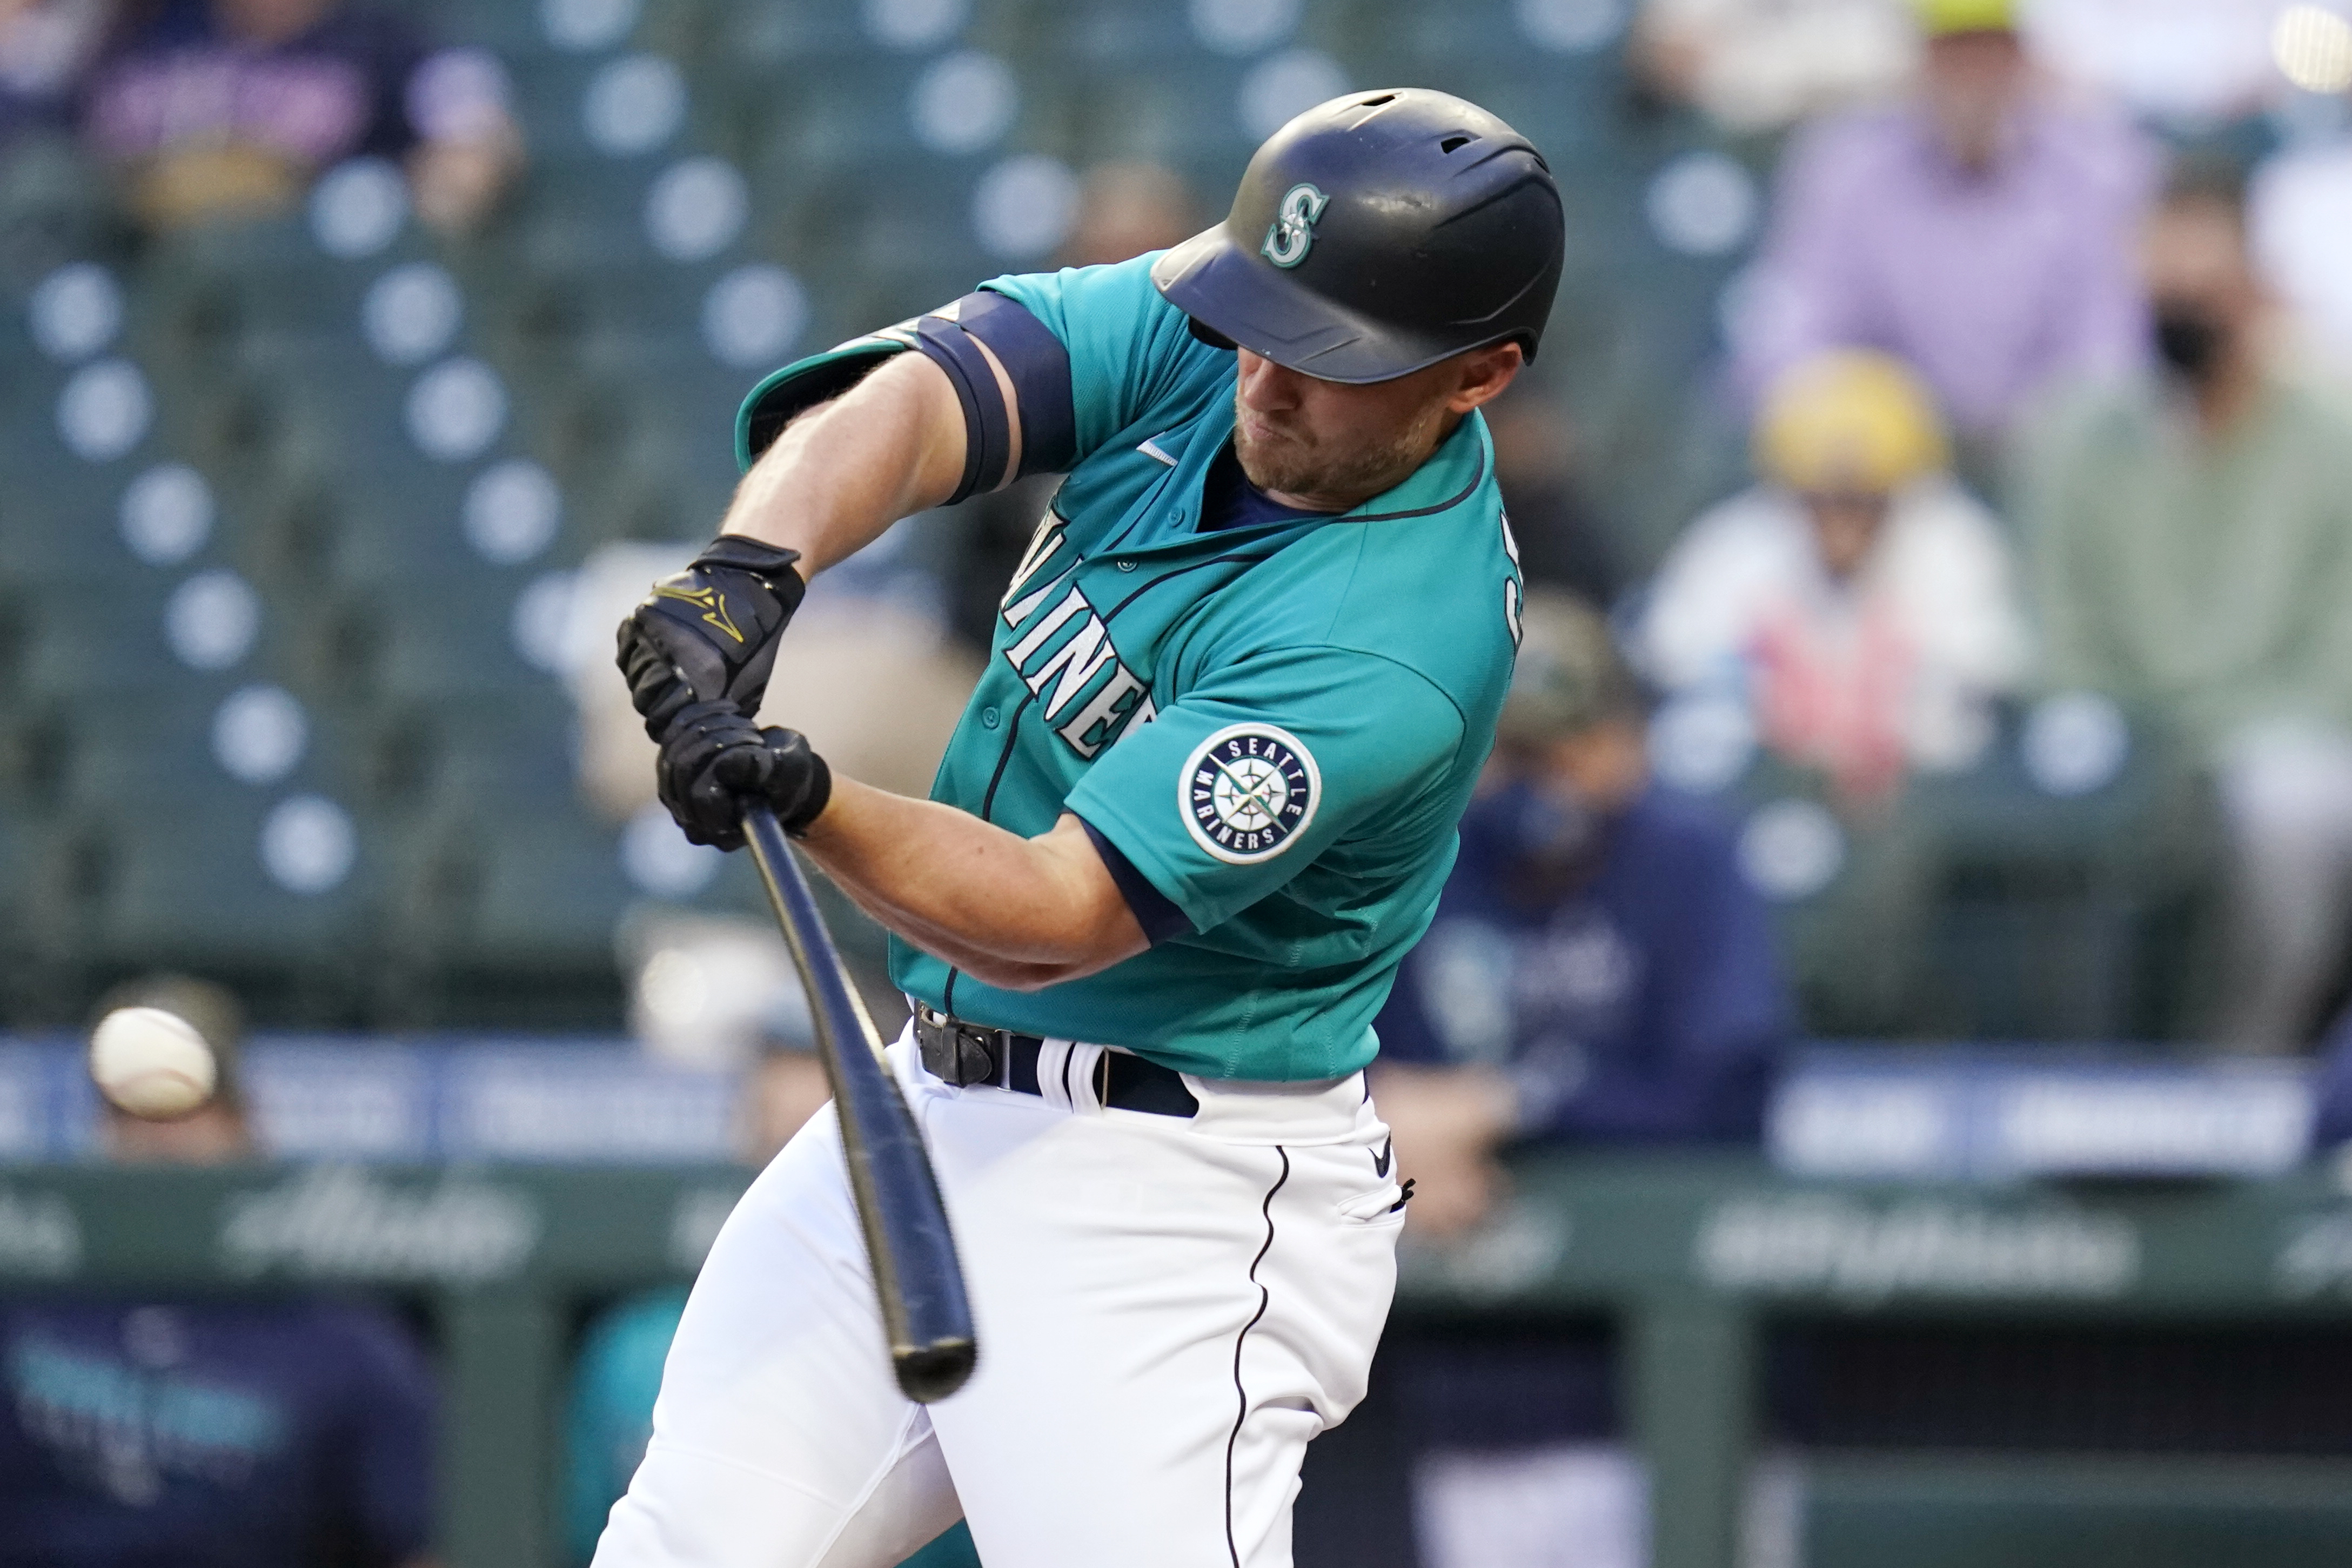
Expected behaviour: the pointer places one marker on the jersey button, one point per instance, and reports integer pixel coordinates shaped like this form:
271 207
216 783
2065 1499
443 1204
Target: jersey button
1129 565
990 718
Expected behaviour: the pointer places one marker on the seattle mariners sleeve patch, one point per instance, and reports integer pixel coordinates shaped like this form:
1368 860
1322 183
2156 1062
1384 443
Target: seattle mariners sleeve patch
1248 791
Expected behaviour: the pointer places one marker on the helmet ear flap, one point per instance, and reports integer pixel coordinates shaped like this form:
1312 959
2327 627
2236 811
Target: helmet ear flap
1204 333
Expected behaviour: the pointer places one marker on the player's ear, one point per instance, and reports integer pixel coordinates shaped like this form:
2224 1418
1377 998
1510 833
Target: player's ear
1484 374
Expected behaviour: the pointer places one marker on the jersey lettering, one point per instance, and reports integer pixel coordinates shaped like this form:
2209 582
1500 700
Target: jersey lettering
1511 596
1106 715
1071 667
1055 620
1078 661
1043 545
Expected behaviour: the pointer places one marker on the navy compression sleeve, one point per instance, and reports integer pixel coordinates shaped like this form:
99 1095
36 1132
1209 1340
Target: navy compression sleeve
1039 369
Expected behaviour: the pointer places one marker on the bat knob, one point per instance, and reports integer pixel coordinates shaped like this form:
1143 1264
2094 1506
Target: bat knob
930 1372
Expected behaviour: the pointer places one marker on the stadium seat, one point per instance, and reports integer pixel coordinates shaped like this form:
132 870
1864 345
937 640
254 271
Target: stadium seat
404 541
186 887
337 409
60 516
2069 917
512 919
480 759
549 90
457 640
68 650
579 214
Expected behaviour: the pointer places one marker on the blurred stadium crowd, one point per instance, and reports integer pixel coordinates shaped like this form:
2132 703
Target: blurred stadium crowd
1938 479
1939 403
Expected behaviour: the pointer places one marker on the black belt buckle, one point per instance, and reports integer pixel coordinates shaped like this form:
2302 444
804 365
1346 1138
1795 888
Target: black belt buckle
956 1053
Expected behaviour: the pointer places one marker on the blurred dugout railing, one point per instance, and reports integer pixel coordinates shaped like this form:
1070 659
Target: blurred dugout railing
2023 1375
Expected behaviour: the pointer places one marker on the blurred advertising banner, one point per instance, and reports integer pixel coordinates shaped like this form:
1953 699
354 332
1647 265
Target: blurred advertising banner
470 1098
1887 1112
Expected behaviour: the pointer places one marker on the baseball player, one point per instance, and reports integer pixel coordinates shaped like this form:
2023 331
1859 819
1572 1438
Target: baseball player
1201 804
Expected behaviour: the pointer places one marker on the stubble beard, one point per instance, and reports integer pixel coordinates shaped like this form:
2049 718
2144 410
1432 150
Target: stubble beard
1294 464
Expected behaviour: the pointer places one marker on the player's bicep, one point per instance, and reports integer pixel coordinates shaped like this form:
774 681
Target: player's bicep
996 383
1234 789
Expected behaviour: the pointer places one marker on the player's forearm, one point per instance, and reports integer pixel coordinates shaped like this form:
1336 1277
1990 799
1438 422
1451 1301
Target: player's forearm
844 471
1013 913
946 945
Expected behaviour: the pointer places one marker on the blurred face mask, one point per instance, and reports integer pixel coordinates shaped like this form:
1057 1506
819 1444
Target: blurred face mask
2190 340
1545 836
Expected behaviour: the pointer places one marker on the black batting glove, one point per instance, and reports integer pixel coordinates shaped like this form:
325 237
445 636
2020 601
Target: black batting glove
715 760
709 635
791 778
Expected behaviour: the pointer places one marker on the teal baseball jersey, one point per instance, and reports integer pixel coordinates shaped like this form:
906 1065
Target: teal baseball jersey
1278 724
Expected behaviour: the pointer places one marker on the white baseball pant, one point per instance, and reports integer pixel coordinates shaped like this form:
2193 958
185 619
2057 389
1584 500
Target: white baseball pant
1168 1310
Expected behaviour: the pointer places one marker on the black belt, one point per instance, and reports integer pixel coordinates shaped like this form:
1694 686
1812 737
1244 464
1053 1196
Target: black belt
965 1054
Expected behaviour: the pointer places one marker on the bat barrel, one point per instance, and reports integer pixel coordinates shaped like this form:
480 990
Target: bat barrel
926 1318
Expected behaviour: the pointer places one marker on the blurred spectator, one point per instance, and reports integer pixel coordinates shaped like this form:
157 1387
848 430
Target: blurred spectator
2301 219
1980 230
2193 529
280 1432
1126 209
618 1373
2331 1127
1857 602
44 47
1598 972
225 109
1561 542
1599 967
712 993
49 208
610 1416
2191 65
1762 65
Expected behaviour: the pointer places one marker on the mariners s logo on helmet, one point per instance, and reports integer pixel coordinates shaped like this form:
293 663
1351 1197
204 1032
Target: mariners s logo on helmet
1246 791
1292 233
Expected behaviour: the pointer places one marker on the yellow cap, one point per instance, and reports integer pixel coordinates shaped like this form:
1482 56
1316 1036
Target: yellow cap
1850 420
1939 17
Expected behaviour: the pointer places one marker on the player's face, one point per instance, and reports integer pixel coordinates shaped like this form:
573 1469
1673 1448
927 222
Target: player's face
1329 445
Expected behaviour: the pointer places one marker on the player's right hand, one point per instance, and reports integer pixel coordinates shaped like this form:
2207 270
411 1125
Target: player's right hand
715 759
709 635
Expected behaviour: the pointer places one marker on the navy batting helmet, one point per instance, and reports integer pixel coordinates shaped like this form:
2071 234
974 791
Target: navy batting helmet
1374 235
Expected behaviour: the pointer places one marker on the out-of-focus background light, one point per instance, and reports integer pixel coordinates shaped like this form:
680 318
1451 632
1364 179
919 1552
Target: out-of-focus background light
2314 48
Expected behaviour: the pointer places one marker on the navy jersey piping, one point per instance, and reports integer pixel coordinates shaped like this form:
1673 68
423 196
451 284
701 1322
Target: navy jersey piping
1449 503
1254 530
1241 1392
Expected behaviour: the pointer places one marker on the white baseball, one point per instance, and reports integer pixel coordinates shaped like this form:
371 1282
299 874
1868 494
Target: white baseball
151 1063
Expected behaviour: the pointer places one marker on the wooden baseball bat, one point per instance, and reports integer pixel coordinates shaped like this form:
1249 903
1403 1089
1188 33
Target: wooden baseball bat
926 1318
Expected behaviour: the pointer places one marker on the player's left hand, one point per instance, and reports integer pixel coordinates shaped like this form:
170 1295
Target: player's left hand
709 633
715 759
